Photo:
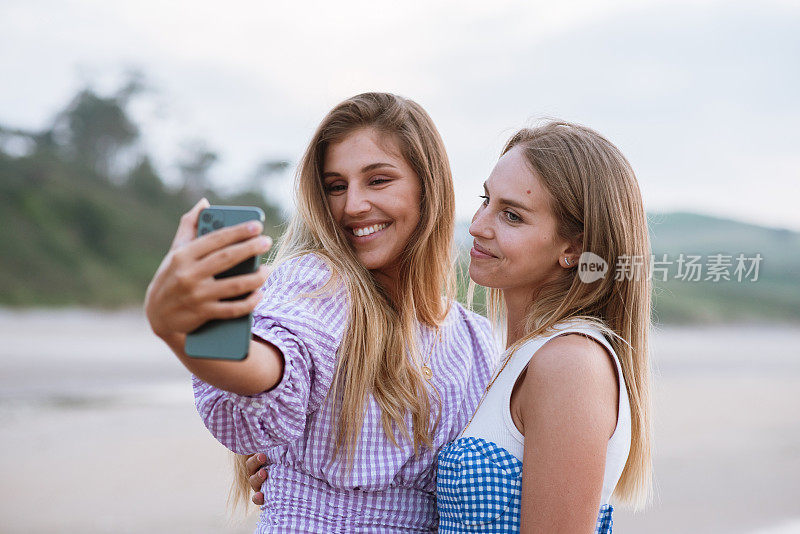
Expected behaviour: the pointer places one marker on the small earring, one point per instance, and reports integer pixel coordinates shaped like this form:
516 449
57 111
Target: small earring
566 261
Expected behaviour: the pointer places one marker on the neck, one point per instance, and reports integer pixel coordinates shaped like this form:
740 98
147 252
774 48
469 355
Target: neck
516 305
388 280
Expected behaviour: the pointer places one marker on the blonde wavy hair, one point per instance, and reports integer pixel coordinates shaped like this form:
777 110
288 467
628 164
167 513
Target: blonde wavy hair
373 358
593 191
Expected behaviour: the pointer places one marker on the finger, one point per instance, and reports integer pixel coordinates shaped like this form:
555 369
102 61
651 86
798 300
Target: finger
258 498
258 479
234 286
255 482
231 255
187 228
231 309
254 462
218 239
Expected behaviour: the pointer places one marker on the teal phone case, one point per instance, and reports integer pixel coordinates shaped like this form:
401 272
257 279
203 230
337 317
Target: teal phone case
226 339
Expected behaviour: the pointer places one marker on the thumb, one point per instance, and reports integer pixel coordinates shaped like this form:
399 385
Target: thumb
187 228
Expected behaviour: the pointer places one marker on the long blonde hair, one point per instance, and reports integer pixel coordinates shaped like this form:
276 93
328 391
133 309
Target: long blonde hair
378 355
593 191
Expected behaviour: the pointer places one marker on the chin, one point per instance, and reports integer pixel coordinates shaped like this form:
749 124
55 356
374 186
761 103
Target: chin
479 277
372 261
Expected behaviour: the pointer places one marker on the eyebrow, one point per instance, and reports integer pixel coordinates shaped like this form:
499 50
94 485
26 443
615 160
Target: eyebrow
364 170
509 202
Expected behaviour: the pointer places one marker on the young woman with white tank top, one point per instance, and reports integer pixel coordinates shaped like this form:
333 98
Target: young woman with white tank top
574 412
490 450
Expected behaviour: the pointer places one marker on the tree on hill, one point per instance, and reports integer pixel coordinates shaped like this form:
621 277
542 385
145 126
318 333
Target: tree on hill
94 129
145 182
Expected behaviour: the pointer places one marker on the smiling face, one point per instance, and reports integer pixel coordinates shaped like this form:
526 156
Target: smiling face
516 246
374 196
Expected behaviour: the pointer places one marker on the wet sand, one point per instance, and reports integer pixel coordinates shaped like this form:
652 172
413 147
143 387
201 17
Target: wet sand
100 432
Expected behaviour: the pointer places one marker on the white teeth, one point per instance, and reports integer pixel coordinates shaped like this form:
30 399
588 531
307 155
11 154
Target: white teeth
361 232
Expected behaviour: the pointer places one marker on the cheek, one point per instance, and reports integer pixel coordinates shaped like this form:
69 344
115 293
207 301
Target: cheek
416 215
336 205
512 242
525 250
412 211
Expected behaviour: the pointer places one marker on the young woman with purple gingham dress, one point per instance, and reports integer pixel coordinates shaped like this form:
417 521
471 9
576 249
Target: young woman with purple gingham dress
350 416
479 479
390 488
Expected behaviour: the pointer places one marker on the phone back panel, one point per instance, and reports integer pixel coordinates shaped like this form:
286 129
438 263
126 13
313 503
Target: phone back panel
227 339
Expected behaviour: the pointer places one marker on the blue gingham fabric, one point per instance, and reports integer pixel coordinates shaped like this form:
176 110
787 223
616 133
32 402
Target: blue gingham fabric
479 489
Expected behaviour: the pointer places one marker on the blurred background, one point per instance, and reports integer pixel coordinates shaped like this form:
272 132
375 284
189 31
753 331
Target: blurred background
116 117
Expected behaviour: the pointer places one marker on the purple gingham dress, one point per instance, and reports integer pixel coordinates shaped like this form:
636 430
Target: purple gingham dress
389 489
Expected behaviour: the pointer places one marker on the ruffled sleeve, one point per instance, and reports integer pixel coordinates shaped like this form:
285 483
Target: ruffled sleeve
303 312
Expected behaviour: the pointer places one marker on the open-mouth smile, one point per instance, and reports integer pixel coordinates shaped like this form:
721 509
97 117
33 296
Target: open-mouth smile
366 233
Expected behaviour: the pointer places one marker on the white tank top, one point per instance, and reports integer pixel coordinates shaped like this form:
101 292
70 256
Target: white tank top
492 420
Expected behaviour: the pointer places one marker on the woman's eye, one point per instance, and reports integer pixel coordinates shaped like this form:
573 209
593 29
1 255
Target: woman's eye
485 199
336 188
512 217
378 181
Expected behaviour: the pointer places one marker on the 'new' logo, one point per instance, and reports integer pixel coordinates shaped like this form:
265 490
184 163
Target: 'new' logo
591 267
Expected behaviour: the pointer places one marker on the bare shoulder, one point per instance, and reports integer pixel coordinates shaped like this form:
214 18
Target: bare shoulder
572 375
575 355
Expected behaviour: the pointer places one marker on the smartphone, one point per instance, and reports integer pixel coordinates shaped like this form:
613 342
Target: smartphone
226 339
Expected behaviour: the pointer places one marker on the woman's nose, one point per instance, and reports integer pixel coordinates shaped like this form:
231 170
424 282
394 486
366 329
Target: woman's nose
480 226
357 201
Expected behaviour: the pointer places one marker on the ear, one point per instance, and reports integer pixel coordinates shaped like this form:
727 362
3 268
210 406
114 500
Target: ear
571 251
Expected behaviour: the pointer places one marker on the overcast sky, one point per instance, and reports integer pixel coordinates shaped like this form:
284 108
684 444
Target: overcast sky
702 97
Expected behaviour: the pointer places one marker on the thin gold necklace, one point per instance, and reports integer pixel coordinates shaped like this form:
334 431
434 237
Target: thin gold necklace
425 369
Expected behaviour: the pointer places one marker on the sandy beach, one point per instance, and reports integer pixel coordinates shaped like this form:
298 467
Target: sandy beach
100 432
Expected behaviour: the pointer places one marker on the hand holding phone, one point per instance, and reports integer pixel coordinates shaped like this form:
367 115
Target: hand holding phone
185 292
225 338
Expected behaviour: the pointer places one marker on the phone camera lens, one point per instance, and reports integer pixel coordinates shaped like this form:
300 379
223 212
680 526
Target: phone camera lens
204 231
206 217
217 225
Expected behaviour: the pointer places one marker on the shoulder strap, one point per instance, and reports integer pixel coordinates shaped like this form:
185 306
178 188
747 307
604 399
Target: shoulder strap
522 356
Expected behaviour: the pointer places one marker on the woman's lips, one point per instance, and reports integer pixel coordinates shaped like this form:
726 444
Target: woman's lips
479 252
357 239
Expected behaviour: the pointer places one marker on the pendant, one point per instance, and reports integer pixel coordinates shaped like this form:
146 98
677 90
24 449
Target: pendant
426 372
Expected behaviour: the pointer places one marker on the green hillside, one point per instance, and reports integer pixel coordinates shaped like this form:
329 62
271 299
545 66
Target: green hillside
77 232
775 295
75 239
73 233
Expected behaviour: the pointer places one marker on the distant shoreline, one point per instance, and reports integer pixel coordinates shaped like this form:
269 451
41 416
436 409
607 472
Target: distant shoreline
137 311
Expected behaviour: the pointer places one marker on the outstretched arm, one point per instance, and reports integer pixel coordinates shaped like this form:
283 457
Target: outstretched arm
259 372
184 295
